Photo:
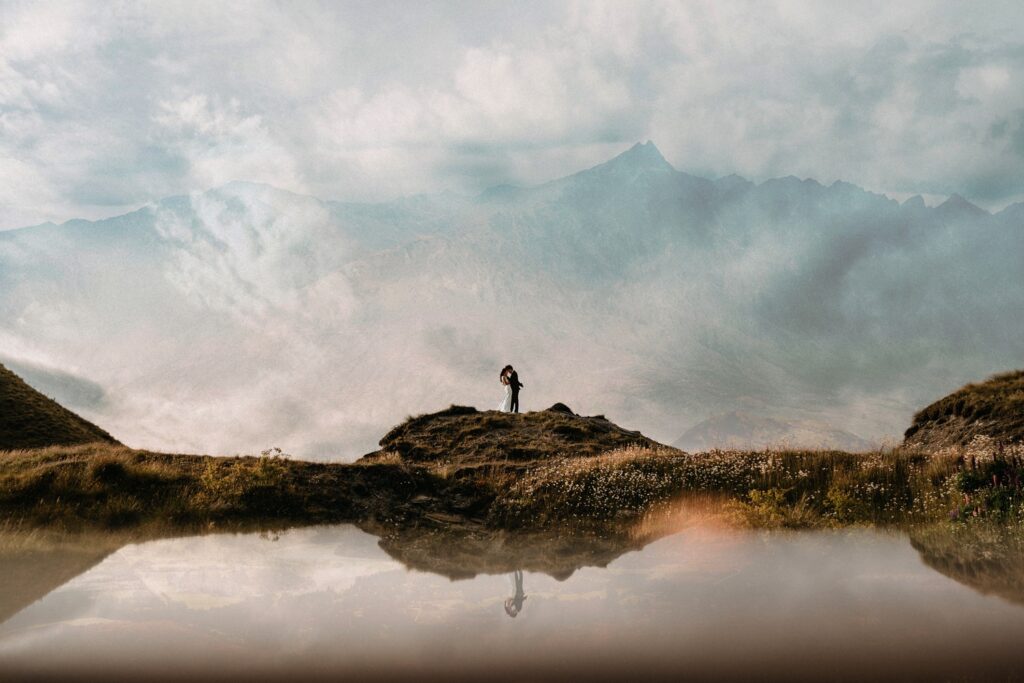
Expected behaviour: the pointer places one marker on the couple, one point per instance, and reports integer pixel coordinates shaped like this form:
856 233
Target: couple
509 377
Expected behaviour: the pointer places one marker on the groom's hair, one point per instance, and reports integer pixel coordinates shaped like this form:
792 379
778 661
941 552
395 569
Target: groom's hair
506 368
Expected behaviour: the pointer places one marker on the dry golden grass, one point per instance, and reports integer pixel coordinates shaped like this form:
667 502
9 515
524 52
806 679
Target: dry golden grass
463 436
993 408
111 486
770 488
29 419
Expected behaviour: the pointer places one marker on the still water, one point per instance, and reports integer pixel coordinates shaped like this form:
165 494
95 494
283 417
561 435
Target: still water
704 602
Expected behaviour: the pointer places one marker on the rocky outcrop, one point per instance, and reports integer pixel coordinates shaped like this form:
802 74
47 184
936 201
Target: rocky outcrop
461 435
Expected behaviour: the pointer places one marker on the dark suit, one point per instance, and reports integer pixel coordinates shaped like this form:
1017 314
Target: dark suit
513 381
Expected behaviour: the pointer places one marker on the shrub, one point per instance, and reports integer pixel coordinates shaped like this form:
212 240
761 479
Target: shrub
255 484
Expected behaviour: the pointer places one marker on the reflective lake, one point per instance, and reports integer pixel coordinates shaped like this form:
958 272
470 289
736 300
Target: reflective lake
705 601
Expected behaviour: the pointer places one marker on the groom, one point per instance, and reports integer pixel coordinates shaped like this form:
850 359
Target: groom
513 381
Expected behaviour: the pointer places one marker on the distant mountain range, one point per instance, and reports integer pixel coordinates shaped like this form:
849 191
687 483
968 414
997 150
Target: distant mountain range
740 431
246 317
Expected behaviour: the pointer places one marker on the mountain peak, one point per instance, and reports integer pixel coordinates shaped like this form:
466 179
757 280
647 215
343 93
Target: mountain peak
641 156
915 202
958 204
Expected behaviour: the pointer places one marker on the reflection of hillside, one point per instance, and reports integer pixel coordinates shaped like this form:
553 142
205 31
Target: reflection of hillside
988 559
35 562
462 554
32 564
462 551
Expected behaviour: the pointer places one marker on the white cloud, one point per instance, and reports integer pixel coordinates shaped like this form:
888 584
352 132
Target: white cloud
23 191
110 106
221 143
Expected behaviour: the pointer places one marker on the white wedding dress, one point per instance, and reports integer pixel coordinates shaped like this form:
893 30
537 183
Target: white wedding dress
506 403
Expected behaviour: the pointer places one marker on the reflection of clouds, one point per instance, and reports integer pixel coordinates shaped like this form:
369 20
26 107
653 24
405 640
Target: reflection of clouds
569 597
332 595
201 601
438 611
235 569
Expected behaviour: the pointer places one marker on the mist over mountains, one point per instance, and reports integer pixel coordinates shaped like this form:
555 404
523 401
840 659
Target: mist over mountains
246 317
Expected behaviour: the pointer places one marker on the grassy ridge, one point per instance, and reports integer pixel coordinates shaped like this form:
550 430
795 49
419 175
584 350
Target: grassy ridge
773 488
30 420
994 408
111 486
529 471
463 436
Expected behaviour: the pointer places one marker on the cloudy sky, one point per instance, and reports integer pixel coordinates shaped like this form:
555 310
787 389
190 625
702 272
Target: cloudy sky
107 106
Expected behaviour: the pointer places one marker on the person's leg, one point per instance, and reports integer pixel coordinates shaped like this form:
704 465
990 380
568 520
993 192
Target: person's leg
515 401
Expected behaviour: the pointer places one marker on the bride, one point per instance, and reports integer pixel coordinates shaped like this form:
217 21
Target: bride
506 403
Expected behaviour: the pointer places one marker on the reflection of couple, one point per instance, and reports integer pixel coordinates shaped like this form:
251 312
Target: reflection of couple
514 605
509 377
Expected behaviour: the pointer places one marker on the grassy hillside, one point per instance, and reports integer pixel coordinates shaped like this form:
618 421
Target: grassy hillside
30 420
543 470
111 486
107 486
994 409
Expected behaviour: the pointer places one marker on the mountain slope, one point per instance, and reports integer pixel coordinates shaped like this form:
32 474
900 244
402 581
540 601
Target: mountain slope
741 431
245 317
30 420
